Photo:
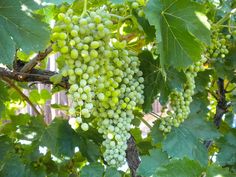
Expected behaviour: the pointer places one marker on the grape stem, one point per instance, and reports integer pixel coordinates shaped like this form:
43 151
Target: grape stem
227 26
85 8
120 17
226 17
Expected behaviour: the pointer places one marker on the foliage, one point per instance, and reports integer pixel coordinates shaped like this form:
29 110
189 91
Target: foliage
169 38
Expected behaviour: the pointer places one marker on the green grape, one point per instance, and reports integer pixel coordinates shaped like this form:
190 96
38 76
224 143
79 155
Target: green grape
219 44
180 101
105 81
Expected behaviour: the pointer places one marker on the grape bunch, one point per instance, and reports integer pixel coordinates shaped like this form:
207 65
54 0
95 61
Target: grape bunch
219 45
105 80
180 101
124 8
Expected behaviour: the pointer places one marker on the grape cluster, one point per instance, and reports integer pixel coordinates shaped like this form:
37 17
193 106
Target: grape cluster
180 101
219 45
105 82
121 9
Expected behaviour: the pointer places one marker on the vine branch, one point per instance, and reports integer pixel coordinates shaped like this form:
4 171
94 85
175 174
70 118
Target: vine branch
132 156
39 57
11 84
35 76
221 107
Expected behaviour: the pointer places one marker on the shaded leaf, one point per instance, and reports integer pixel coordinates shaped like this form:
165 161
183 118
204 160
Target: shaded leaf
214 170
155 82
227 145
182 167
201 128
12 166
92 170
151 163
89 149
4 94
6 146
156 134
58 2
180 143
112 172
60 138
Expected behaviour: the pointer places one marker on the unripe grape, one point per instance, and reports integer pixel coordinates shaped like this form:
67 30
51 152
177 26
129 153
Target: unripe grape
84 126
74 53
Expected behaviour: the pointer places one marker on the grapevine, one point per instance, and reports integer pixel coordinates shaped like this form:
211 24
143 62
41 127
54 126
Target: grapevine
105 82
180 101
219 43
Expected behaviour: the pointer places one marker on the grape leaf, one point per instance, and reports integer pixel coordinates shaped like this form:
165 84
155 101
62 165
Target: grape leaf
58 2
227 145
152 78
7 48
155 82
181 29
181 167
89 149
12 166
31 171
4 95
151 163
202 80
20 31
92 170
60 138
117 1
180 142
6 146
30 4
214 170
156 134
201 128
112 172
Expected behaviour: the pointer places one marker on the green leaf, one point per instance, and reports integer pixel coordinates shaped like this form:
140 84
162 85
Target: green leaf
7 48
58 2
181 29
39 98
202 80
89 149
45 95
4 94
214 170
229 119
56 79
60 138
181 167
152 76
227 146
26 31
34 96
150 164
155 82
30 4
112 172
201 128
31 171
147 28
12 166
156 134
92 170
6 146
117 1
180 142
